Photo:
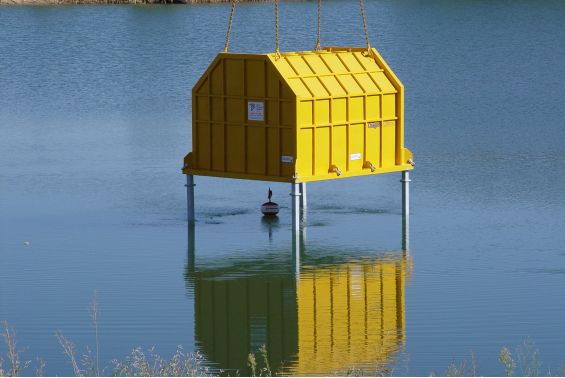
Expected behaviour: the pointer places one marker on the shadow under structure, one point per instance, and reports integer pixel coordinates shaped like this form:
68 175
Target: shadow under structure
330 314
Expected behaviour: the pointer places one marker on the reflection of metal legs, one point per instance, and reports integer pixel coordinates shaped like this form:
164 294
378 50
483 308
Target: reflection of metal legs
405 193
405 233
295 194
190 197
303 195
191 247
296 251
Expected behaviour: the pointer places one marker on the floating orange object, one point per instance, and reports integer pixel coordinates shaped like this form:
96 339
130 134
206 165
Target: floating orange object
270 208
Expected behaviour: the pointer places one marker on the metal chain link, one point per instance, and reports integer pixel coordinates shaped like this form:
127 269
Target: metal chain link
365 25
229 27
318 46
277 53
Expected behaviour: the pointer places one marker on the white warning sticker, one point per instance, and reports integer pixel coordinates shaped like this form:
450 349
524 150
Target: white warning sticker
255 111
286 159
356 156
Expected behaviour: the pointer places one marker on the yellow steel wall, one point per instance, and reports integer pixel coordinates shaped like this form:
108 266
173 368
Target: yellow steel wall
322 110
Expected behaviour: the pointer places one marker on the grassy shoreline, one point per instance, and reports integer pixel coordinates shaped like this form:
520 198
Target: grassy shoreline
76 2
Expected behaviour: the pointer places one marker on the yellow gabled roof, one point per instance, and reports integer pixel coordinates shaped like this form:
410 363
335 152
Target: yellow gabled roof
335 72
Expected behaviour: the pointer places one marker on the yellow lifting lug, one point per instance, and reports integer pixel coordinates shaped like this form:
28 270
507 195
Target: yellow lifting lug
336 170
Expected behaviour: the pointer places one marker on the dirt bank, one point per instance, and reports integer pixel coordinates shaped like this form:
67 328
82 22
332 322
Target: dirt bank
66 2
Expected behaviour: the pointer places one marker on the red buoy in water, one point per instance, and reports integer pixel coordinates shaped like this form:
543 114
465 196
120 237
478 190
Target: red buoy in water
270 208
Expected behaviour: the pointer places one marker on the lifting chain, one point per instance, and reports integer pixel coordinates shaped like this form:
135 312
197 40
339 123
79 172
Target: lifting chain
277 53
229 27
318 46
365 25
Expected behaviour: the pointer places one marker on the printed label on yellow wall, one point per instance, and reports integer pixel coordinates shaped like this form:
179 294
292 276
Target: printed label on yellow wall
356 156
255 111
286 159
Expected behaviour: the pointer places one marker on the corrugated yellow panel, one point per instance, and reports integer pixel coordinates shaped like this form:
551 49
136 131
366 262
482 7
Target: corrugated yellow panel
255 75
366 82
272 112
235 154
203 134
288 113
388 143
288 148
217 109
339 110
217 78
256 155
389 106
351 62
305 114
332 85
299 88
203 106
339 147
350 84
322 150
356 109
373 135
317 64
272 82
356 150
235 110
299 66
373 107
234 71
315 87
273 151
305 143
335 65
382 81
321 112
218 146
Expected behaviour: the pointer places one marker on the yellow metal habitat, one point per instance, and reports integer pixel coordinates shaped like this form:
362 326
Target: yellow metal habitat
298 117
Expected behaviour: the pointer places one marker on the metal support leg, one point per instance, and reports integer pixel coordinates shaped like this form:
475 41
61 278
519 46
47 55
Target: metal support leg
405 193
295 194
303 194
190 197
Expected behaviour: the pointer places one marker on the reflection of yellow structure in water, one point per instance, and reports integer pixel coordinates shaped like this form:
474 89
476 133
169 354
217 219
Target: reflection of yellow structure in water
328 318
350 315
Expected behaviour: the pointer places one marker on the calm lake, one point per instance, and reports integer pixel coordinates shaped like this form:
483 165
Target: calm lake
95 120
